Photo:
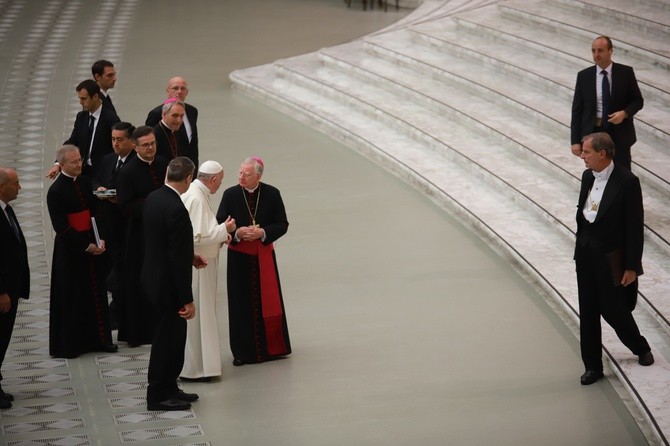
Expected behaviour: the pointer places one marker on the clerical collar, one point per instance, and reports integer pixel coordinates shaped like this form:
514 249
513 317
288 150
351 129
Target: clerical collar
146 161
166 127
203 187
69 176
251 191
604 174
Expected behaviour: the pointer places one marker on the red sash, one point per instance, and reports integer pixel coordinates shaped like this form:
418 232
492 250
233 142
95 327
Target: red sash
80 221
270 297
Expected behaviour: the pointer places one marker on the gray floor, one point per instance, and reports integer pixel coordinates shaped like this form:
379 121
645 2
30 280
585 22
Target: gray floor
406 328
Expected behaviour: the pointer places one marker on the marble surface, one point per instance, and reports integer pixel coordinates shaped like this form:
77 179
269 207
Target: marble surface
470 103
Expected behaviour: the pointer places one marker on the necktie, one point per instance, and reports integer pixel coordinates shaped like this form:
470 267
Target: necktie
91 127
11 216
606 98
119 165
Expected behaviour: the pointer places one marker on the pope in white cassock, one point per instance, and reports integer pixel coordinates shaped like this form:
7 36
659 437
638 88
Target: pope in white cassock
202 358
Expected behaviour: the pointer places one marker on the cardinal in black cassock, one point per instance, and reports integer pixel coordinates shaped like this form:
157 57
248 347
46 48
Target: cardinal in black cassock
257 320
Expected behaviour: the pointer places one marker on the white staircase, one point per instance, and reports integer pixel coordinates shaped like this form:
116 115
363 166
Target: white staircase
470 102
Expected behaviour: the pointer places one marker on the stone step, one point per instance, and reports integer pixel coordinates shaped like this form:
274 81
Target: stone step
573 55
472 196
650 157
634 25
494 84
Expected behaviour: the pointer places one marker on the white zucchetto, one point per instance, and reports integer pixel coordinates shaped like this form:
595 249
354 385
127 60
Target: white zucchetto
210 168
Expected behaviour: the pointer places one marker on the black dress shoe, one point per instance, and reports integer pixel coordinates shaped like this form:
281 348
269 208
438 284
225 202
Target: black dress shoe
183 396
108 348
646 359
171 404
590 376
202 379
6 396
5 404
238 362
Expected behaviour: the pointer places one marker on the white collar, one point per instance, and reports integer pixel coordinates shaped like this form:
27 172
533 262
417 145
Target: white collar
604 174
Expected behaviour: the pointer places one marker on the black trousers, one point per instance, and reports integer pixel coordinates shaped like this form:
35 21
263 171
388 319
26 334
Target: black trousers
599 297
167 355
6 327
622 156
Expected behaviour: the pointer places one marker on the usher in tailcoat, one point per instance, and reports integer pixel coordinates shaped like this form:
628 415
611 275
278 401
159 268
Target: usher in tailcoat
618 226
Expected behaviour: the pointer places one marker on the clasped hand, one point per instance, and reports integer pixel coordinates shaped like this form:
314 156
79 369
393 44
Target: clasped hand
248 233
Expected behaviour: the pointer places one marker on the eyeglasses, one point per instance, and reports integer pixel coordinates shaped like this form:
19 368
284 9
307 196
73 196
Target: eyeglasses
245 175
146 145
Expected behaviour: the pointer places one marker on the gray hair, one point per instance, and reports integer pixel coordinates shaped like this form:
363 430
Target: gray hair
601 141
67 148
168 106
179 169
258 167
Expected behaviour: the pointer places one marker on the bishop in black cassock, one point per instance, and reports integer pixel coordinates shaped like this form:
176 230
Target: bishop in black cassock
79 319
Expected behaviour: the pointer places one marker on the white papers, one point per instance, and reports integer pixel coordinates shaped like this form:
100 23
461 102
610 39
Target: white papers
95 231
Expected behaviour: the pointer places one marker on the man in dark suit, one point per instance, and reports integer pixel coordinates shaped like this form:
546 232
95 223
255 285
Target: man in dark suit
105 75
14 272
177 88
111 166
606 99
167 278
92 132
608 254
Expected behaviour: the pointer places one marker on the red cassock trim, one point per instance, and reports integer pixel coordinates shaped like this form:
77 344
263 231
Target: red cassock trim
80 221
270 297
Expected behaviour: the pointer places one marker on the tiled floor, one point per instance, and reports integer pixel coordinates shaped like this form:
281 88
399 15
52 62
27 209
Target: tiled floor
407 328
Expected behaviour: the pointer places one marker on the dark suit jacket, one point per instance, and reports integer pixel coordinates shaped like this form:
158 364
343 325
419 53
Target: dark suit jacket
626 96
619 223
14 272
14 278
106 176
107 103
102 139
155 116
168 256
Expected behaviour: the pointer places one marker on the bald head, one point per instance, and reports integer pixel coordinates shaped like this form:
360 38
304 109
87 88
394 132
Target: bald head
9 184
177 88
